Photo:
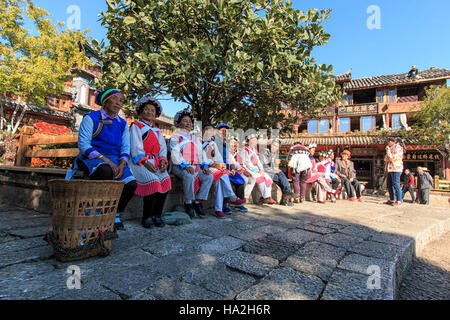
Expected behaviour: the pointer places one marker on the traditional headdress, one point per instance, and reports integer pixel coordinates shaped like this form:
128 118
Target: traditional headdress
251 136
181 114
104 95
147 99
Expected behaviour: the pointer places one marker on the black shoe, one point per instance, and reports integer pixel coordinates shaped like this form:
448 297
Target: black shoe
157 221
289 204
189 210
199 209
146 222
291 194
119 226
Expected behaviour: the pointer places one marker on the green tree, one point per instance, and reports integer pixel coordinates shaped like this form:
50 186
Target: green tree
34 67
433 120
230 60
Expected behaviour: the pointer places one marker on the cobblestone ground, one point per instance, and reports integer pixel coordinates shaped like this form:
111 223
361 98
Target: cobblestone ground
429 275
309 251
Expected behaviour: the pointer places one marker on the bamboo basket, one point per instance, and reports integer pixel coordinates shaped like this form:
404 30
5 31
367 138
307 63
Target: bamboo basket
83 217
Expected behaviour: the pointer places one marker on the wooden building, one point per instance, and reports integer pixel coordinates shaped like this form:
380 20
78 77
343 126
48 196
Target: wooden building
372 104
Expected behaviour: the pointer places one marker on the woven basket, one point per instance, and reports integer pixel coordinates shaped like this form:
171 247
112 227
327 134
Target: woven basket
83 213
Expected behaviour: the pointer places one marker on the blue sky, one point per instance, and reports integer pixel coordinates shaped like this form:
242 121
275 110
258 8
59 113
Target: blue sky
411 32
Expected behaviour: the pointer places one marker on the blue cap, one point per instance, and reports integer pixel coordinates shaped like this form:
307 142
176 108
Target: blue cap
223 125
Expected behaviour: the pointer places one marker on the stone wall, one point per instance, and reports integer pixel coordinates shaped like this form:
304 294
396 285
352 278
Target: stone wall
28 188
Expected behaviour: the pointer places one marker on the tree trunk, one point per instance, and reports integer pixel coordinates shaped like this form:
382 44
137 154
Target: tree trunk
11 123
3 121
20 119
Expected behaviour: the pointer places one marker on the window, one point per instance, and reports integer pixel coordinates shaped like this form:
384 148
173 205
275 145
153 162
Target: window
380 96
392 95
324 125
312 126
367 123
318 126
344 124
396 123
364 96
349 99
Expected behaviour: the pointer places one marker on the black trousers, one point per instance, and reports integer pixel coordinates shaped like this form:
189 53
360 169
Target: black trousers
239 190
105 172
154 205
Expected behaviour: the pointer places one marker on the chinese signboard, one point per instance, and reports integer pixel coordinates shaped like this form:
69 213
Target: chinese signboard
359 109
363 152
422 156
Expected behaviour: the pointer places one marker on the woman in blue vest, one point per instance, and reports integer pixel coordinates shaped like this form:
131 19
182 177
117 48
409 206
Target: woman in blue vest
104 143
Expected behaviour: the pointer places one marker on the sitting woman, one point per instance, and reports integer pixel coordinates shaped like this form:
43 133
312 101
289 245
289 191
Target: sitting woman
188 163
221 178
249 159
149 161
104 143
321 178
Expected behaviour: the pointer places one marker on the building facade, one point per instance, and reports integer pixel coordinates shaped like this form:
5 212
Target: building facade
370 105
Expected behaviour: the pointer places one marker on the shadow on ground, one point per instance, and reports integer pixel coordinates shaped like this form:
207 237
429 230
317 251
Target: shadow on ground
269 253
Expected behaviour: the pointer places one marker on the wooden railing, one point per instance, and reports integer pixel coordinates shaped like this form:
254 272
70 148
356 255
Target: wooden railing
441 184
27 140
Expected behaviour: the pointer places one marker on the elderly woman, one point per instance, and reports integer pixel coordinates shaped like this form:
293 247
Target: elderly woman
104 143
320 176
238 177
188 163
149 161
345 169
251 163
221 178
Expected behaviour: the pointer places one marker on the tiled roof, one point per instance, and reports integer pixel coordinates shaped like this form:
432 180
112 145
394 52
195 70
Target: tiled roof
401 78
343 77
340 140
33 108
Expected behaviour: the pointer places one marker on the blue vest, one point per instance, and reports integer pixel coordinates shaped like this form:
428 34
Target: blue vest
107 137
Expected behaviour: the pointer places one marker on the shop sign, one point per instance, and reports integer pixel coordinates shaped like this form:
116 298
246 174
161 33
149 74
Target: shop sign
422 156
371 108
364 151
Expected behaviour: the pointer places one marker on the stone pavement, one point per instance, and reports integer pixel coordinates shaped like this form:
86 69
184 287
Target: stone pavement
310 251
429 275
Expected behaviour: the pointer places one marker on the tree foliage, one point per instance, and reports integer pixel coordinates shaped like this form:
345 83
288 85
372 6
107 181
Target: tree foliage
433 120
35 66
230 60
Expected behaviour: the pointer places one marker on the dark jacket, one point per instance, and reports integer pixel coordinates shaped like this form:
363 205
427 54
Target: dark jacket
349 172
268 160
408 180
424 181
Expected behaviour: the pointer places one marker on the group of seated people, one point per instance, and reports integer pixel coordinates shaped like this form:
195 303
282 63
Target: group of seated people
139 156
321 178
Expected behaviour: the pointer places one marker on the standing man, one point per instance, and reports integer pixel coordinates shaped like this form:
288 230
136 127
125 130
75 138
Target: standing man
345 169
424 184
408 183
394 160
270 160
